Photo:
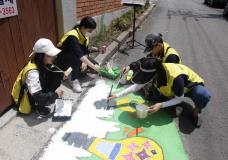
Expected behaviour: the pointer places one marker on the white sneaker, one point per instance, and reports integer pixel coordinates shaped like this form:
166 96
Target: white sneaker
89 83
76 86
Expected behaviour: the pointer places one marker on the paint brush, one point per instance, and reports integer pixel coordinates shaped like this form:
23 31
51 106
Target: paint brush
110 93
121 75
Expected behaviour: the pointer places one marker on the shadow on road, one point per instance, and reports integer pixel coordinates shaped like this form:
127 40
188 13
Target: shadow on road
33 119
157 119
184 120
185 123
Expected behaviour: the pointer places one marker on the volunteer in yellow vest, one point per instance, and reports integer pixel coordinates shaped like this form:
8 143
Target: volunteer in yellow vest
174 82
75 51
160 49
37 85
157 48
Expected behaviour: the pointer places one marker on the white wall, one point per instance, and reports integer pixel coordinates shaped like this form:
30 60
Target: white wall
66 15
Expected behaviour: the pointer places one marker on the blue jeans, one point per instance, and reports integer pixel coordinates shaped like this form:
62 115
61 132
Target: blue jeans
200 96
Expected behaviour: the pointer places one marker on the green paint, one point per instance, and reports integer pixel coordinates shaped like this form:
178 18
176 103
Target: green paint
159 127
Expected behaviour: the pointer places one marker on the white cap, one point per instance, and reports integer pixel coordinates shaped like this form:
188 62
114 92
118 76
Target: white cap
45 46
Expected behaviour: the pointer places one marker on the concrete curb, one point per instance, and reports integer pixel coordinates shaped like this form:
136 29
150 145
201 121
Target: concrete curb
5 118
114 46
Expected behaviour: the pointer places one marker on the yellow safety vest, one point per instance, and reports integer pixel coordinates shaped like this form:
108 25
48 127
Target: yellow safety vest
173 71
168 50
20 91
83 40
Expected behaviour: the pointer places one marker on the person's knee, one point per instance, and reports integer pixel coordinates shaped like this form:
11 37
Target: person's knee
203 96
206 97
204 93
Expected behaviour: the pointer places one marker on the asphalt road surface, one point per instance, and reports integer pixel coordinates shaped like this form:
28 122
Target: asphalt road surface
200 34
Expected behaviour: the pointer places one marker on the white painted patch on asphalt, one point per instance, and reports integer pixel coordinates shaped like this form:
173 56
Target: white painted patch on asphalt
51 130
85 120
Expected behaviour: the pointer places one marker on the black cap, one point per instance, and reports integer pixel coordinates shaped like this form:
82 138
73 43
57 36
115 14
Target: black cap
147 72
152 40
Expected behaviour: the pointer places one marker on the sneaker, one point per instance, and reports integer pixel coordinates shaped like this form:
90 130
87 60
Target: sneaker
178 111
91 71
76 86
197 121
43 111
90 83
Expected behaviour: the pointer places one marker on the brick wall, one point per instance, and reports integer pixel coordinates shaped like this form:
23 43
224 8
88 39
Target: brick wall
96 7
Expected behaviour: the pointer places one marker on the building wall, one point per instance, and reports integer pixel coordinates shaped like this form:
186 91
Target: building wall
103 11
21 32
35 19
96 7
66 15
71 12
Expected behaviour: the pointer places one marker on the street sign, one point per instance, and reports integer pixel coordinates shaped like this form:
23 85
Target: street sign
8 8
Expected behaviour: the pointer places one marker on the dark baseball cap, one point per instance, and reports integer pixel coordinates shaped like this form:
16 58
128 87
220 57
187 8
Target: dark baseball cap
147 71
152 40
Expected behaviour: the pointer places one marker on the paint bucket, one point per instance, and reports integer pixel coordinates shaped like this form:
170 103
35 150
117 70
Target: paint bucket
103 49
141 111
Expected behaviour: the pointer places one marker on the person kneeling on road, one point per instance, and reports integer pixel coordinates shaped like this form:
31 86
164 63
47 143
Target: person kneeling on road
157 48
37 85
174 82
75 51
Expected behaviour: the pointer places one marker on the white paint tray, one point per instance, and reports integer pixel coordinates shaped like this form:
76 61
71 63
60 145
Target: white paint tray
63 109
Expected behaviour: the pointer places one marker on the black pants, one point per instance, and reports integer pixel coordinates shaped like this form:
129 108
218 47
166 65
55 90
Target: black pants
64 61
52 81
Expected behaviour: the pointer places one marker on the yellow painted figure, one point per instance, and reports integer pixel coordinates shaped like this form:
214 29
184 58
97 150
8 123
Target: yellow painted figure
135 148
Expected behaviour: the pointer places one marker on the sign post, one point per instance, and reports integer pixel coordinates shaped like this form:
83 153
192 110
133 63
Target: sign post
8 8
134 4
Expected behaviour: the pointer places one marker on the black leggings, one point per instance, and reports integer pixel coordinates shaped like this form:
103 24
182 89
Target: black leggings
66 61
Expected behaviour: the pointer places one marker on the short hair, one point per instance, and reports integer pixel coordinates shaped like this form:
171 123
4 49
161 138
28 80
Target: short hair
88 22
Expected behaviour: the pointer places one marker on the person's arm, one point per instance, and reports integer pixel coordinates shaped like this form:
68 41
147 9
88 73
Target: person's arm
93 49
178 89
33 84
131 89
172 102
172 58
74 45
85 60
